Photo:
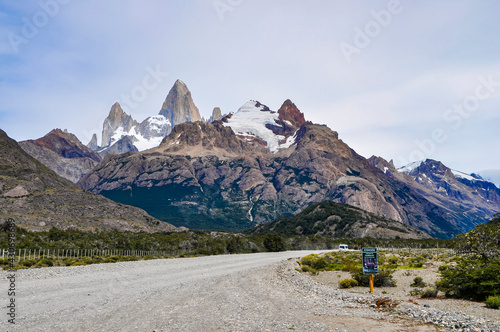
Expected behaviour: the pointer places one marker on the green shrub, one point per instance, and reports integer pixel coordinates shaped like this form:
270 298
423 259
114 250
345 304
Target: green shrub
418 282
18 267
348 283
307 268
472 278
68 261
148 257
383 279
493 302
29 263
47 262
429 293
112 259
443 268
393 259
274 242
78 264
416 292
314 261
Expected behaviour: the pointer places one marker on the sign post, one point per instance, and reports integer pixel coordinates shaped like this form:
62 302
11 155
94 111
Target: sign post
370 263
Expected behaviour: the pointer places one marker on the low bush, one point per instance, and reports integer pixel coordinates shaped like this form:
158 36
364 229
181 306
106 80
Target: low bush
429 293
493 302
29 263
348 283
418 282
47 262
314 261
78 264
416 292
384 278
472 278
443 268
393 259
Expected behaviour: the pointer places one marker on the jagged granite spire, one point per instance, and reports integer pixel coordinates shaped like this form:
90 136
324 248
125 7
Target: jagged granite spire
117 118
92 145
179 106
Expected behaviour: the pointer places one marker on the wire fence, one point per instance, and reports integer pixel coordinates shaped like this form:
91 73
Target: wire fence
28 254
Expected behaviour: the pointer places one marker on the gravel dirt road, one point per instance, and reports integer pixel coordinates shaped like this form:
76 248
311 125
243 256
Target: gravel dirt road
253 292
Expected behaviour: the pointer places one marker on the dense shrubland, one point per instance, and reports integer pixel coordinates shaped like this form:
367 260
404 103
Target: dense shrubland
475 274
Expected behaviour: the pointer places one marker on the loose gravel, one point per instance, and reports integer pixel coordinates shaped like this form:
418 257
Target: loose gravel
254 292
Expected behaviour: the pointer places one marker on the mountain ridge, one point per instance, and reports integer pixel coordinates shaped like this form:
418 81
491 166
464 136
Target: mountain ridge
38 199
191 182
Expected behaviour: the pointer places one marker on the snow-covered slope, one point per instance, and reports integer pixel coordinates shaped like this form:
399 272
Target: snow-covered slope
147 135
410 167
462 175
254 120
458 175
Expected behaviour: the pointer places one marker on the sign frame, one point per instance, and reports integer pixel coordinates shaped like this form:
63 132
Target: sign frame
370 260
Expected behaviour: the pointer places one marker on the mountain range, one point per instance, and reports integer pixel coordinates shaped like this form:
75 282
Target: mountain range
39 199
247 168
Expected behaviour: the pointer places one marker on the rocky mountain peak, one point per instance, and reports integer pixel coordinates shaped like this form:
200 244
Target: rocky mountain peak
289 112
200 138
179 106
382 164
116 112
63 153
216 114
319 137
117 120
65 144
92 145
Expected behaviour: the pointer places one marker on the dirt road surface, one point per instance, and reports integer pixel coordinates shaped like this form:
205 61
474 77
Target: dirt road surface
248 292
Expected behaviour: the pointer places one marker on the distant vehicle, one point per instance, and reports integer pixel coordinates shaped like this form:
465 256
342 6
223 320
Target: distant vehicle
343 247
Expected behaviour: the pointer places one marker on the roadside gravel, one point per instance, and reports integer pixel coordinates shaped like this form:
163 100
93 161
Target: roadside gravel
254 292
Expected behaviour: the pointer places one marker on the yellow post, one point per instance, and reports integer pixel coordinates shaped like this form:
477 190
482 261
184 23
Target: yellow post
371 283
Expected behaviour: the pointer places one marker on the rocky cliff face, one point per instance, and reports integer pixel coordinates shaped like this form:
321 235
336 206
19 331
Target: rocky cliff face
117 120
216 115
92 145
39 199
179 106
121 133
63 153
205 176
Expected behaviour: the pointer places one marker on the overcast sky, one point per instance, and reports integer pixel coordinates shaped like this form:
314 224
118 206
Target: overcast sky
404 80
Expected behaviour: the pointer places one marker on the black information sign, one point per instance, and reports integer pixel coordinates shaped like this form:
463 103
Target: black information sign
370 260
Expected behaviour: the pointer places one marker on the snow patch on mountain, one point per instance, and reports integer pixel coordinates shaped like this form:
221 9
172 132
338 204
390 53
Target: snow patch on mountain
250 121
410 167
151 135
463 175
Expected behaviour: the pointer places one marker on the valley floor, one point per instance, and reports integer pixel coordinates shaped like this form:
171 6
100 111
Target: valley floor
252 292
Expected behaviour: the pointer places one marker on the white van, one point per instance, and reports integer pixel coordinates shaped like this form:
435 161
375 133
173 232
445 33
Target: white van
343 247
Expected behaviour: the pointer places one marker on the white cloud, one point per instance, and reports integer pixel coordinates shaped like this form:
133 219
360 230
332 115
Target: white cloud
393 93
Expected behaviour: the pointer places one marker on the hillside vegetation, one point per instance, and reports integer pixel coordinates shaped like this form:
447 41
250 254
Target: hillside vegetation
339 221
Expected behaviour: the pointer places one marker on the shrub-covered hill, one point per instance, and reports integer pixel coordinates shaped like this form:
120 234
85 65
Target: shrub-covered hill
340 221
